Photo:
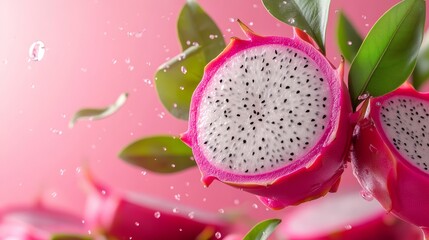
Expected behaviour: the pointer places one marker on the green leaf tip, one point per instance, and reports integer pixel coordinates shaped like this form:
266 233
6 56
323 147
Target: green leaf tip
262 230
98 113
308 15
159 154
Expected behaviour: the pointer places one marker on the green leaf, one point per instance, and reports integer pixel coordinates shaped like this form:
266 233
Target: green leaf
160 154
389 52
195 26
308 15
349 40
177 79
421 72
69 237
98 113
262 230
201 41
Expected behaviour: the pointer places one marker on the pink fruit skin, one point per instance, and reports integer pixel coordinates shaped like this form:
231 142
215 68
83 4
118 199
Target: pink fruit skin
121 217
37 223
381 226
399 186
307 178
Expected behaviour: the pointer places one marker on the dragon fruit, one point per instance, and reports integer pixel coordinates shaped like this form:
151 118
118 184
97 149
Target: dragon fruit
344 216
270 116
390 152
125 216
38 223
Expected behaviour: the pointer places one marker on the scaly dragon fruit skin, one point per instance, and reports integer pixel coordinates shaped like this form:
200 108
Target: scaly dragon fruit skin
38 223
400 187
136 216
310 177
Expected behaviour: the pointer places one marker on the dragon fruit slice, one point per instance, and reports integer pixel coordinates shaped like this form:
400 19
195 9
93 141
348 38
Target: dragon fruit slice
125 216
270 116
38 223
391 152
345 216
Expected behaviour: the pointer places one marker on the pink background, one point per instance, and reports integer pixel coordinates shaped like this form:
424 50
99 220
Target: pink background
95 51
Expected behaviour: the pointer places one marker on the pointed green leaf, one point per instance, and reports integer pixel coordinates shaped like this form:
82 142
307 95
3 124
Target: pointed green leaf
349 40
389 52
308 15
160 154
262 230
69 237
98 113
194 26
177 79
421 72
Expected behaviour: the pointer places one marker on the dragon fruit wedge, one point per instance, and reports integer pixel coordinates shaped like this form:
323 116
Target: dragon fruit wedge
270 116
125 216
39 222
391 152
344 216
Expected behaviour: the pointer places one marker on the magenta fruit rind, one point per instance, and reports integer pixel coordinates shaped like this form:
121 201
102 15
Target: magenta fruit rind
307 178
398 185
137 216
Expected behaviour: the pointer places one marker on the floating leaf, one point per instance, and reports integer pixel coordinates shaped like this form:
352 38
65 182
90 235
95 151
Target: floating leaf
177 79
308 15
201 41
349 40
194 26
98 113
389 52
160 154
262 230
69 237
421 72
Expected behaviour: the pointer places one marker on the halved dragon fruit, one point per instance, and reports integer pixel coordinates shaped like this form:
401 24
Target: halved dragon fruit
391 152
270 116
125 216
38 223
344 216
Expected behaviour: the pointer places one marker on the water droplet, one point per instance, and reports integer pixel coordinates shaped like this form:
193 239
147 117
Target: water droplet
188 42
291 20
182 88
114 61
349 43
250 23
236 201
127 60
177 197
218 235
181 57
157 215
103 192
366 25
255 6
348 227
363 16
191 215
175 105
232 20
366 195
54 194
173 165
144 173
284 2
36 51
255 206
175 210
183 69
221 210
62 171
378 104
164 149
137 224
204 199
363 96
138 34
212 36
83 221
